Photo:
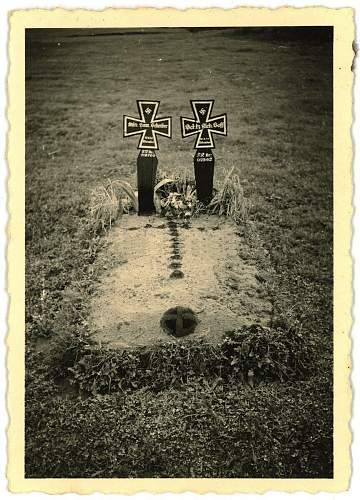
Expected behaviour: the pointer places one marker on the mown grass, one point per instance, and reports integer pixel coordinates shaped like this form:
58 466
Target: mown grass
274 430
278 100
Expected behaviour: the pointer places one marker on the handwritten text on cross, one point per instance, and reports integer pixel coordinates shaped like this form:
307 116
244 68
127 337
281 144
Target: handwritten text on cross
203 125
148 126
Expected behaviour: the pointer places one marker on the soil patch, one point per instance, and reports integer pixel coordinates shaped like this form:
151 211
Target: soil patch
220 287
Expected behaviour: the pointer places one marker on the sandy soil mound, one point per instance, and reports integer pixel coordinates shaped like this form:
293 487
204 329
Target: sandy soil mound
164 265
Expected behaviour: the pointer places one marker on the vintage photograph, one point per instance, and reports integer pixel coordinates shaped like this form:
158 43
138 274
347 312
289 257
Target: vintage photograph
179 252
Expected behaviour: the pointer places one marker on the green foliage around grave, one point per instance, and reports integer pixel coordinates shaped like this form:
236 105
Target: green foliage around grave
282 152
251 354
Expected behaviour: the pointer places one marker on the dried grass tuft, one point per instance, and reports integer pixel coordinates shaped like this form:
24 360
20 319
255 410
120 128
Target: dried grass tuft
109 202
230 200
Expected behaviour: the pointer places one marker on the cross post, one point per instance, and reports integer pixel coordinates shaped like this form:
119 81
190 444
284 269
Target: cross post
148 127
204 126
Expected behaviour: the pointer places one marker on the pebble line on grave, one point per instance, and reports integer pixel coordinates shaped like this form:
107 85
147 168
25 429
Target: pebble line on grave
175 257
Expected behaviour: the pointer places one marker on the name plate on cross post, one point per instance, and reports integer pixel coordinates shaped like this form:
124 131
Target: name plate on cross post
204 126
147 127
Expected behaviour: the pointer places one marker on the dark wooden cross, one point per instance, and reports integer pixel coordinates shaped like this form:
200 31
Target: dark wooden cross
204 126
148 127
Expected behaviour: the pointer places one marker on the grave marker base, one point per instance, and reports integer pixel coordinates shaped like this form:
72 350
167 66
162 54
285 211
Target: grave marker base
146 174
204 162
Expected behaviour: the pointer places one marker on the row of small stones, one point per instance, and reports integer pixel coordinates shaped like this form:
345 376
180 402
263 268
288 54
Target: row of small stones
175 257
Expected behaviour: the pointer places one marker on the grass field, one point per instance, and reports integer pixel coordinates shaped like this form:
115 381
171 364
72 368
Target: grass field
277 93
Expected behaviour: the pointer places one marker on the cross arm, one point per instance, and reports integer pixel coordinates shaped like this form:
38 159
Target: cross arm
218 124
189 127
133 126
162 126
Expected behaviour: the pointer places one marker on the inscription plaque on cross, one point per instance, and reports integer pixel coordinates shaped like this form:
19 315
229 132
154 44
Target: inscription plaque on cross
148 127
204 126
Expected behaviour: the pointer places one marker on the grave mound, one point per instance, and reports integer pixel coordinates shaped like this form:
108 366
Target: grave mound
219 287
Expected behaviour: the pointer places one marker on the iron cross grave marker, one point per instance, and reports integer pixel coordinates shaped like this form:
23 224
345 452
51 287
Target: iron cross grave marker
148 127
204 126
